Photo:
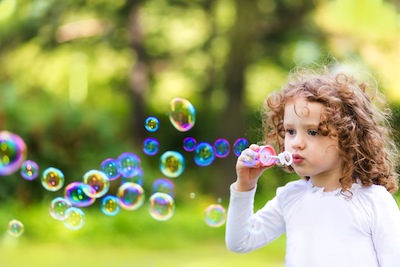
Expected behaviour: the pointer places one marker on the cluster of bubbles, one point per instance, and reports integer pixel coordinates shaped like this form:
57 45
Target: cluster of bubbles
130 195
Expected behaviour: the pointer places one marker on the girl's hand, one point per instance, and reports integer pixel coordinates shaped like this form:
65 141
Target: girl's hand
248 168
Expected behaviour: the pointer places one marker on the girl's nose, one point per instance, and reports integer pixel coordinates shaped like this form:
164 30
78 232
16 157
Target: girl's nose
298 142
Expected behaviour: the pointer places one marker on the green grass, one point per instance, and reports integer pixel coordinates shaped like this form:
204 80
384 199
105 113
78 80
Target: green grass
132 238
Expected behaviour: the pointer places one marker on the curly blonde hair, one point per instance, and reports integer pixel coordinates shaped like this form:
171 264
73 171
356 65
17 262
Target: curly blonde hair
356 114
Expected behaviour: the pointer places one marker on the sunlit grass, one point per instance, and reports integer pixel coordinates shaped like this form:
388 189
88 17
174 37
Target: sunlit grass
132 238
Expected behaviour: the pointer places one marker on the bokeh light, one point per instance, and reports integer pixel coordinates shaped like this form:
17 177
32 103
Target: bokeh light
13 152
182 114
172 164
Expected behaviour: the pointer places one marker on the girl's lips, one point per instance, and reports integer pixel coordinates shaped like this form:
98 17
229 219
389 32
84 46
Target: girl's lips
297 159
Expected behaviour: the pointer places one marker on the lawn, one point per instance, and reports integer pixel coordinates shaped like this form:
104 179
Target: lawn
132 238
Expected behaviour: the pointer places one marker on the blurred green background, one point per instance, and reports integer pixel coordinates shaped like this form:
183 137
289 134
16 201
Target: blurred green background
78 78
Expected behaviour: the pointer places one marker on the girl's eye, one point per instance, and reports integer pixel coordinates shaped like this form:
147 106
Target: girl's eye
290 131
313 132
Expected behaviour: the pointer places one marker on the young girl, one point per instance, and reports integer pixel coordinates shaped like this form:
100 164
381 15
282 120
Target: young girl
341 211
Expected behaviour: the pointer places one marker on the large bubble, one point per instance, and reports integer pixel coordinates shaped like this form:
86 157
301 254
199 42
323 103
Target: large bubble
110 167
172 164
80 194
182 114
215 215
162 206
240 145
52 179
164 185
204 154
98 180
128 164
58 207
131 196
74 218
13 152
29 170
110 205
221 148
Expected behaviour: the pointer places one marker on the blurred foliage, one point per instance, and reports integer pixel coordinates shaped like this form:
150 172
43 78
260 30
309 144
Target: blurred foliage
69 74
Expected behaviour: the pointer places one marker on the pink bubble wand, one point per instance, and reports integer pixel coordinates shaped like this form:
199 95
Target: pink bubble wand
268 157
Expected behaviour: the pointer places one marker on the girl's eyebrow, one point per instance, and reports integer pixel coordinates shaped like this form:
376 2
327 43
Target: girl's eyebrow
308 125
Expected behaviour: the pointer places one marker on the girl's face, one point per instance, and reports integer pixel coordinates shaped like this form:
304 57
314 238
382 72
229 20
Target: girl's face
314 155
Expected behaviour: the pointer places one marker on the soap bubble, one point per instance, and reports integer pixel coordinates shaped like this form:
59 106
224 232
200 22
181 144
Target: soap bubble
15 228
150 146
221 148
98 180
29 170
182 114
128 163
110 205
13 152
162 206
215 215
240 145
189 144
74 218
80 194
136 178
163 185
204 154
52 179
110 168
131 196
151 124
172 164
58 207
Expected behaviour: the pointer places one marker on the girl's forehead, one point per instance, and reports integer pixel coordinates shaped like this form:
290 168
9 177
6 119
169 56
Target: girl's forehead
301 108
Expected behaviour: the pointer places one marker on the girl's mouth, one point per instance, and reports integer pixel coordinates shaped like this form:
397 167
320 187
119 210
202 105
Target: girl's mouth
297 159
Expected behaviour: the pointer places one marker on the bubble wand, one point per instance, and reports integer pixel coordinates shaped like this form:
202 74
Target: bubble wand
268 157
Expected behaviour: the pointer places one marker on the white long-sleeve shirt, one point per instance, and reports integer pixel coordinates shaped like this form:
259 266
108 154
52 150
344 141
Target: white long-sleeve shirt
323 229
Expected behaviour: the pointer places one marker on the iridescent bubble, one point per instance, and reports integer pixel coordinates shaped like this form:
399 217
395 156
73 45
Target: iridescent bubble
80 194
151 146
221 148
110 205
182 114
163 185
189 144
215 215
15 228
98 180
131 196
172 164
240 145
204 154
29 170
151 124
13 152
110 168
74 218
162 206
137 178
52 179
58 207
128 163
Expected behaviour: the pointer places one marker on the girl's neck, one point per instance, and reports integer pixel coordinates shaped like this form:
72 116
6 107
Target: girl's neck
327 184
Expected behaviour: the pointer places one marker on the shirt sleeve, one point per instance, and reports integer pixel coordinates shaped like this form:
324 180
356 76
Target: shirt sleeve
246 230
386 228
